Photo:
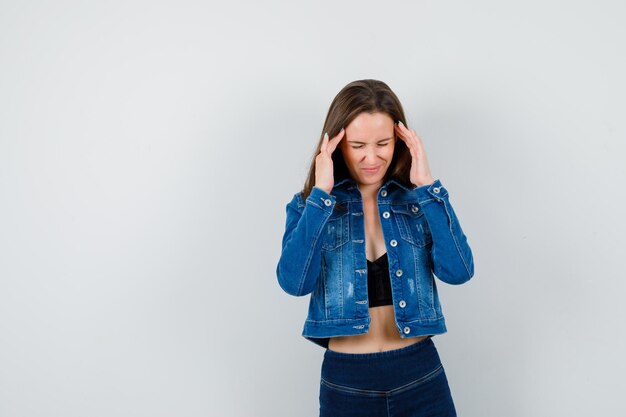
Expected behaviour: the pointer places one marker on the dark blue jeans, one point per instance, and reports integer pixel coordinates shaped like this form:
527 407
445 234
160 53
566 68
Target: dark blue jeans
405 382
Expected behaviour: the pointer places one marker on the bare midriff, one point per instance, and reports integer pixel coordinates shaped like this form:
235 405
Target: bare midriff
382 335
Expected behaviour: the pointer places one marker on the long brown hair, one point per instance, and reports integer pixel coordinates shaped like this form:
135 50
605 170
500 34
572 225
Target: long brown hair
371 96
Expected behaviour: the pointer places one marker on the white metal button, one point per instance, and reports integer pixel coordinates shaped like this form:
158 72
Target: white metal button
383 193
393 243
399 273
328 202
407 330
386 215
436 189
402 303
415 209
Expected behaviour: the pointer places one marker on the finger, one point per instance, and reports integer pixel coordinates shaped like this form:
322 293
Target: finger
324 142
338 136
335 141
409 133
404 136
414 149
418 140
402 130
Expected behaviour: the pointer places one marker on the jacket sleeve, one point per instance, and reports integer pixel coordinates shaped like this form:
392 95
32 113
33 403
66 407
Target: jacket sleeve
299 265
451 255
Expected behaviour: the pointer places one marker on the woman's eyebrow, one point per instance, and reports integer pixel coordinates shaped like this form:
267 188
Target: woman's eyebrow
378 141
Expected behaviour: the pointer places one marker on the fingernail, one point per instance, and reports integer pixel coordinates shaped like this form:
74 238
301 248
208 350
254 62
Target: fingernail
342 129
400 123
325 135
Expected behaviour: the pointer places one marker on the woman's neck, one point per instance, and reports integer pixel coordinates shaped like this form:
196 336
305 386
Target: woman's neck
369 191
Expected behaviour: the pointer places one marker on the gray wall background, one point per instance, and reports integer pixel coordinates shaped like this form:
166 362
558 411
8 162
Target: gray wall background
148 150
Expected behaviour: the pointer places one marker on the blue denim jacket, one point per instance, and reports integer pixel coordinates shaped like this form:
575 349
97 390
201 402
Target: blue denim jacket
323 254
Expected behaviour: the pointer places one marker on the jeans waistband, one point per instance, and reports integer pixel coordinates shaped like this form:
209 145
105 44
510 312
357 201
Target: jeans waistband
403 351
381 370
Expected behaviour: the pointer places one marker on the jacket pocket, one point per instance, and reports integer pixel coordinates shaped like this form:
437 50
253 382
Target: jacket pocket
337 230
412 223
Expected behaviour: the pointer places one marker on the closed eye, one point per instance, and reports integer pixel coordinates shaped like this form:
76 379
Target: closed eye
380 145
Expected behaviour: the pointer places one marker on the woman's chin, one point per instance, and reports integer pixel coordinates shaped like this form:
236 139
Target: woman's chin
370 180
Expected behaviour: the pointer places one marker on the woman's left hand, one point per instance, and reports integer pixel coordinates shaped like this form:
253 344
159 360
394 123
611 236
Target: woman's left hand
420 171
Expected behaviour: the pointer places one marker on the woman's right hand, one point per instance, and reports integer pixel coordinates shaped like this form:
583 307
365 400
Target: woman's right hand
324 162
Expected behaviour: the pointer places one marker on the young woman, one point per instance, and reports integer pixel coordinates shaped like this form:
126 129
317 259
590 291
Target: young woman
365 238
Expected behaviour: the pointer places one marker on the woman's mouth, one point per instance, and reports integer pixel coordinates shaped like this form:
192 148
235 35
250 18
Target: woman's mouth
371 170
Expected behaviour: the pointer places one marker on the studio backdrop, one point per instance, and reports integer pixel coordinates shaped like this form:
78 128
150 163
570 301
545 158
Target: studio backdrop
148 150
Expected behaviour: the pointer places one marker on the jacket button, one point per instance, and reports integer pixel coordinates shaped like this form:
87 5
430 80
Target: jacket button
393 243
436 189
399 273
415 209
386 215
402 303
328 202
383 193
407 330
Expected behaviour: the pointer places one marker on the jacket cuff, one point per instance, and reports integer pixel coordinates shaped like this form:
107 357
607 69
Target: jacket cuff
428 192
321 199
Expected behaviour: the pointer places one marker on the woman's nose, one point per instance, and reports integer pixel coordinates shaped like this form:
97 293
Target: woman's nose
370 155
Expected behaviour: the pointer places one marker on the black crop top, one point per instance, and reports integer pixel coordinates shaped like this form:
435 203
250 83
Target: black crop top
378 284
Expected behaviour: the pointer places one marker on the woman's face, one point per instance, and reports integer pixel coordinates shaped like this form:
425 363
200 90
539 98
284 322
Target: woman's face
369 143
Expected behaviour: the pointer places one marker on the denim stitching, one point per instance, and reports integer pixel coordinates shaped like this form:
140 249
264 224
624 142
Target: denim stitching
325 286
340 234
388 412
307 264
378 393
456 243
373 393
340 278
417 382
316 205
404 222
418 290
